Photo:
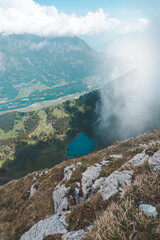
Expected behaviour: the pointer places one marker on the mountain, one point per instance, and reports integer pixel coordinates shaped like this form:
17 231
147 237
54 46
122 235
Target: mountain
36 69
109 194
35 140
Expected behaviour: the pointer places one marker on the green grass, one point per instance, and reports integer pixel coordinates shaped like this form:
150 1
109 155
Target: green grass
26 89
43 126
59 113
18 126
6 153
10 134
1 163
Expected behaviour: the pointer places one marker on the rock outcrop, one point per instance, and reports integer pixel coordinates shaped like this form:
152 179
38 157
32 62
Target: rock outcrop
60 200
154 162
116 182
88 178
116 156
50 226
139 159
68 172
32 190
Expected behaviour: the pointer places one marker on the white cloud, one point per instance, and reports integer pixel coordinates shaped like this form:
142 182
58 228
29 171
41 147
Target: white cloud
26 16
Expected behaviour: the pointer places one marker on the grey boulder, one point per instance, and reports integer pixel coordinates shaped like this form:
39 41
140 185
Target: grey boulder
149 210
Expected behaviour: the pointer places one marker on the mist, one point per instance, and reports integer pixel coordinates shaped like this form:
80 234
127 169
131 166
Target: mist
130 101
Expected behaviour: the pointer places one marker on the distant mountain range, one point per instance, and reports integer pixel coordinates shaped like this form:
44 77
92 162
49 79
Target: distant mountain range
35 69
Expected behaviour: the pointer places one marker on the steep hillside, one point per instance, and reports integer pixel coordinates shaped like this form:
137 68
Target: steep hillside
100 196
37 140
35 69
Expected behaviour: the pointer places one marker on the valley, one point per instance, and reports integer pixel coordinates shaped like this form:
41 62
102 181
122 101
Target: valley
36 69
34 140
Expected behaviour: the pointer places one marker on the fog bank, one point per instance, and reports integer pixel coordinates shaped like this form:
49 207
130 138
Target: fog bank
130 103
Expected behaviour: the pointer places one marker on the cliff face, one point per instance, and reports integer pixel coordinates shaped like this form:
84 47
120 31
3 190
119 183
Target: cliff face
110 194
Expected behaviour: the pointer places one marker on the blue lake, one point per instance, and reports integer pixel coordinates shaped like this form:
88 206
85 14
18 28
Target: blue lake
80 146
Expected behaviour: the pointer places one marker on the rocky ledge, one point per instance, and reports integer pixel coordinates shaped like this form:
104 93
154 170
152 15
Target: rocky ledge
91 184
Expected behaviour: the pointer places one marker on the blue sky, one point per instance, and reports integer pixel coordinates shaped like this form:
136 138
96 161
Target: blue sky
94 4
121 8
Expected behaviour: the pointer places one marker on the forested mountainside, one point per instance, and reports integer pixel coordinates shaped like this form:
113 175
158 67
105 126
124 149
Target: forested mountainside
36 140
110 194
35 69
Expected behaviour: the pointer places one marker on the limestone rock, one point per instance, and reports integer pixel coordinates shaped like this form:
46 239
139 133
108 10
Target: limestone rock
105 162
68 172
97 184
32 191
75 235
79 164
149 210
34 179
41 174
116 182
50 226
88 178
139 159
143 145
154 162
116 156
78 198
60 200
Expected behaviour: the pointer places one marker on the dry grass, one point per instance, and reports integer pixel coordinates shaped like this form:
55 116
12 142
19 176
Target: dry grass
57 236
145 188
121 222
84 215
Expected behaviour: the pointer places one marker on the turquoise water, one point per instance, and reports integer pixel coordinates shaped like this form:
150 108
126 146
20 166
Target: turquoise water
80 146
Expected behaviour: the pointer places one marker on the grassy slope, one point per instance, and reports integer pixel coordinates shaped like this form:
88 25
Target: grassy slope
17 215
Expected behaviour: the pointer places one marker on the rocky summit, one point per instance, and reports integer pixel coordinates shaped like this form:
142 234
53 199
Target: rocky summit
110 194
